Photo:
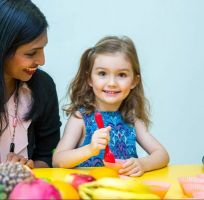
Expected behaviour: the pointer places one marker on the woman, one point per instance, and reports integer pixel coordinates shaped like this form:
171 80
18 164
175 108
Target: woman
29 117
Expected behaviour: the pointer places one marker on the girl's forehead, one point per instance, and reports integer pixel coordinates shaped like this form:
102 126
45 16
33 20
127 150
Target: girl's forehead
118 60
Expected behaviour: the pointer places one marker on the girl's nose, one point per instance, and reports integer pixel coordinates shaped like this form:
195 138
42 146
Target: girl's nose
112 81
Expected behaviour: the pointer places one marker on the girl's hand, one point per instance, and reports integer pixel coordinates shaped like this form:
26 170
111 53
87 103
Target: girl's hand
100 139
132 167
12 157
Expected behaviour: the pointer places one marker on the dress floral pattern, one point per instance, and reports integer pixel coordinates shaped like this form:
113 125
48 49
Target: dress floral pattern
122 137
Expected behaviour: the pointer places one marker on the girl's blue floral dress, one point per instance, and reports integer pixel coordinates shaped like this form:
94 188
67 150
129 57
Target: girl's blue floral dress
122 137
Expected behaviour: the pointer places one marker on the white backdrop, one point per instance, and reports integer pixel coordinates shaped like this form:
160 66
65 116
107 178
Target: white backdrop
169 37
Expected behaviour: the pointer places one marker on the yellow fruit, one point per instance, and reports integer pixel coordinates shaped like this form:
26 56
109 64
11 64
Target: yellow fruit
131 185
66 190
115 188
99 172
108 193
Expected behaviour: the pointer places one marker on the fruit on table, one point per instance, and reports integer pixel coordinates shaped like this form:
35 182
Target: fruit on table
131 185
13 173
116 166
189 189
200 175
76 179
190 179
159 188
67 191
3 195
115 188
108 193
34 189
98 172
198 195
191 185
46 179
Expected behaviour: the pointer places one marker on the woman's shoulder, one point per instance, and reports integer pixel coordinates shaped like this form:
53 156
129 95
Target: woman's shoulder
42 81
43 76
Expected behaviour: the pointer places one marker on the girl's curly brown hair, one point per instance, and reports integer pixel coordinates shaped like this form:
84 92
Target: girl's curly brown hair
81 94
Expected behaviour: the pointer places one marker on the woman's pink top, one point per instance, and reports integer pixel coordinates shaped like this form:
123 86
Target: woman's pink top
21 138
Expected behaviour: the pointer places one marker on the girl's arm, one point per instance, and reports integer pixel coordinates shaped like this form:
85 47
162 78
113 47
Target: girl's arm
67 154
157 158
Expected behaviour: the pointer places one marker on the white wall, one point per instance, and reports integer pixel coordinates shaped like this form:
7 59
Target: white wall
169 39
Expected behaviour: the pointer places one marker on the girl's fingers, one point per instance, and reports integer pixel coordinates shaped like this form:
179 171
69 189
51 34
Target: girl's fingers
126 169
128 163
139 173
104 132
108 128
101 138
132 171
101 146
102 141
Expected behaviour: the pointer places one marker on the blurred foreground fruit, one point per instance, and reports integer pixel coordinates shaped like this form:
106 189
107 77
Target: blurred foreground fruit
34 189
66 190
77 179
11 174
115 188
159 188
3 195
108 193
98 173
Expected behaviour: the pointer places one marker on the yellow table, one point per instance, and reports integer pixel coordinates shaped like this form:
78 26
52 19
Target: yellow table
168 174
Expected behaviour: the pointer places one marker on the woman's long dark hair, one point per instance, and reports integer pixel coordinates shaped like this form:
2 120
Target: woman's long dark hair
21 22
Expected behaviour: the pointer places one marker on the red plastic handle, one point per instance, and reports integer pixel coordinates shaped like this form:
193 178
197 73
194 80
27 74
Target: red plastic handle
108 156
99 120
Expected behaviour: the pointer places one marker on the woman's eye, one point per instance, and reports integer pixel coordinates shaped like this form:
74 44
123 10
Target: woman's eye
101 73
30 54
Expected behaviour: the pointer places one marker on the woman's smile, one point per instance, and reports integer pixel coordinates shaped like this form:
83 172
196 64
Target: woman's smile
29 70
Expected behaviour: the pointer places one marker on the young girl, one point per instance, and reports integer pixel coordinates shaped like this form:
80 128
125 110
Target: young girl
109 81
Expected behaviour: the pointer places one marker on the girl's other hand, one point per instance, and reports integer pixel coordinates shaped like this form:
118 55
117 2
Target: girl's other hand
12 157
132 167
100 139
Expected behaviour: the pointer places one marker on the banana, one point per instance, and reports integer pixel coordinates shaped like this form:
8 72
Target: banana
130 185
84 192
115 188
107 193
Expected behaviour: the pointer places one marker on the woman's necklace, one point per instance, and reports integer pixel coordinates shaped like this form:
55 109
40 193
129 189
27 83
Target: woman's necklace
14 121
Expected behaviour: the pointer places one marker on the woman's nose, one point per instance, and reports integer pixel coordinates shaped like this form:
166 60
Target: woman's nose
40 60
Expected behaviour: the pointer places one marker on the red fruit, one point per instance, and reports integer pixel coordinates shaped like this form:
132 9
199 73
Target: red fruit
34 189
77 179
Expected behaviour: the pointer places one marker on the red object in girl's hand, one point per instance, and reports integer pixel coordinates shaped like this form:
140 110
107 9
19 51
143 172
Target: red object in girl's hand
108 156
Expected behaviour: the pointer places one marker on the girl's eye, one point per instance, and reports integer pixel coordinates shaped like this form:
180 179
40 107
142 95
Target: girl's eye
101 73
122 75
